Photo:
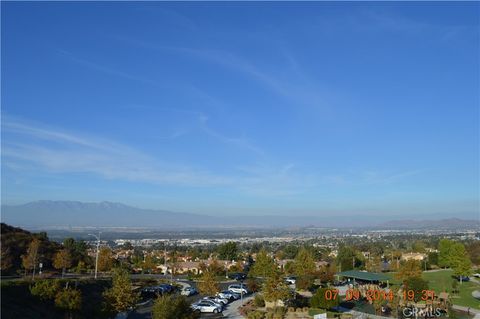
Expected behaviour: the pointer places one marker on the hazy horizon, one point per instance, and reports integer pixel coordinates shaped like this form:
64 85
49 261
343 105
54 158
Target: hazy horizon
243 108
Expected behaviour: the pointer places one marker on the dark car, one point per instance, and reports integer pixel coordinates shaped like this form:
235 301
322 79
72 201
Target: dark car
151 292
462 278
167 288
239 276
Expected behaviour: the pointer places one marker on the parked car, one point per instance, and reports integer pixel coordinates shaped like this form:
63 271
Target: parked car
476 275
239 289
230 295
189 291
462 278
291 280
151 292
167 288
217 299
239 276
207 306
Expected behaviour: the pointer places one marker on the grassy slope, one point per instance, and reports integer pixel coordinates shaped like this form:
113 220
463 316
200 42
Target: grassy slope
442 281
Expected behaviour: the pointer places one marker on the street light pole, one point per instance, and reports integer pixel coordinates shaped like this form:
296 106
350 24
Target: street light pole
96 256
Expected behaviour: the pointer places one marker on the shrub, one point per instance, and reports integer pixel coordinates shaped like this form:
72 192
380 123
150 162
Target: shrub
258 301
256 315
320 301
45 289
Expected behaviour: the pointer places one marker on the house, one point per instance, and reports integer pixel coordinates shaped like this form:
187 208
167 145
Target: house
413 256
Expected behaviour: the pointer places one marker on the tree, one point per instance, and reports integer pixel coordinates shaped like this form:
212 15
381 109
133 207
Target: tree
327 273
445 247
228 251
6 259
347 258
208 284
323 299
149 263
62 260
69 300
289 252
105 259
45 289
120 297
172 307
29 261
460 261
264 265
419 246
416 284
275 289
473 250
305 267
433 258
410 269
374 264
78 250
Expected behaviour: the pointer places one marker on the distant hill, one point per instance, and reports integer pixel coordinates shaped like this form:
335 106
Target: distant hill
450 223
105 214
49 214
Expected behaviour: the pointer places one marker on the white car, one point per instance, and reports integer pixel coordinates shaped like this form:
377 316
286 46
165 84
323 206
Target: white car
217 299
476 275
291 280
230 295
207 306
189 291
239 289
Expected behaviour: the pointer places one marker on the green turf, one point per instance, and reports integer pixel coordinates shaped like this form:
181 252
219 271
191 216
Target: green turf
442 281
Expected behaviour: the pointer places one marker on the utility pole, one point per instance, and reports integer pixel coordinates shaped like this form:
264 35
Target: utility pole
165 258
96 255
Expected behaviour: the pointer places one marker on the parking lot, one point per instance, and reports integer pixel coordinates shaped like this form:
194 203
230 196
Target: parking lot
145 309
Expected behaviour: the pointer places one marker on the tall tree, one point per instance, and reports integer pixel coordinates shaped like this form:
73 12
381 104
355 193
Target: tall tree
62 260
445 247
347 258
460 261
29 260
228 251
275 289
473 250
121 296
410 269
148 263
105 259
264 265
305 268
208 284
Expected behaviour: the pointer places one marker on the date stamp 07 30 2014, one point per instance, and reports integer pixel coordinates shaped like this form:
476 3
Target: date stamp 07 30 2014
376 294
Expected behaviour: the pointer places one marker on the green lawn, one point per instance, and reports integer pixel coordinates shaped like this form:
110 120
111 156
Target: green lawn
442 281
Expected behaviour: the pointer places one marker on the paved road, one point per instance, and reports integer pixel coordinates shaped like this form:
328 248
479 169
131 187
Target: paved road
466 309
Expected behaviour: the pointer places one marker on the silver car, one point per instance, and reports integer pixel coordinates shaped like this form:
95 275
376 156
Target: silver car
207 306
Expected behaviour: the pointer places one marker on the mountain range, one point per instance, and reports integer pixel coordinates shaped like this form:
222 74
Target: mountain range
50 214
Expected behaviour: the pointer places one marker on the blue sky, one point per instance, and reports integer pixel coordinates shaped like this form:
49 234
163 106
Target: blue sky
243 108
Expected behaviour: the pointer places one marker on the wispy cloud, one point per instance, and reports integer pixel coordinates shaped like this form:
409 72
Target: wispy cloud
240 142
295 86
28 146
31 146
61 152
